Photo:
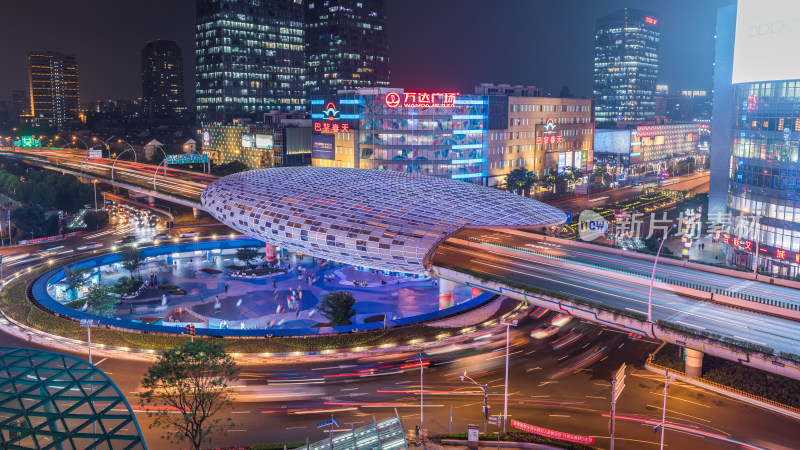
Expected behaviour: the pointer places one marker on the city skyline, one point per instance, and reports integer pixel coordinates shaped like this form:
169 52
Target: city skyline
110 66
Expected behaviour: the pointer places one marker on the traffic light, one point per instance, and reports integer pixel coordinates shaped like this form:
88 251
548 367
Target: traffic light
190 330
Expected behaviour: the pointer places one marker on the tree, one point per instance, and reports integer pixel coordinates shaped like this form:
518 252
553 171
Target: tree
188 385
520 180
95 220
27 220
229 168
131 260
101 301
565 92
337 307
246 254
602 172
75 278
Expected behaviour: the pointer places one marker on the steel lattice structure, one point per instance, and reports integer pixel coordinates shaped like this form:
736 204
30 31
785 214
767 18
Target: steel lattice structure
371 218
50 400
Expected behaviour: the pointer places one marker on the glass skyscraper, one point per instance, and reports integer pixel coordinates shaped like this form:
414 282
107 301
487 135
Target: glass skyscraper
249 58
162 78
346 45
626 65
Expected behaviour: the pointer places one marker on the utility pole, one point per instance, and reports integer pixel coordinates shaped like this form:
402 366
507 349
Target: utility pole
421 412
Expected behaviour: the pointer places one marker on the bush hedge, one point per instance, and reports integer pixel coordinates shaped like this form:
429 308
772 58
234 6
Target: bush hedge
729 373
514 436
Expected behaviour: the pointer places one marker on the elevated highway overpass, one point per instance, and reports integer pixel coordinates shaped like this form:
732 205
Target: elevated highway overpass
175 185
602 285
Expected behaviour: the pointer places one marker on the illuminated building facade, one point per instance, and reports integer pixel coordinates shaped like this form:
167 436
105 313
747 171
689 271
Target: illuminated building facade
443 134
162 79
626 65
346 45
249 58
544 135
765 177
54 88
259 146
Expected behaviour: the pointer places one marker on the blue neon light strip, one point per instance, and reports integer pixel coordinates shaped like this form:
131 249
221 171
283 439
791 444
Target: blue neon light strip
459 176
468 117
466 146
341 116
636 154
348 102
468 131
469 102
467 161
317 102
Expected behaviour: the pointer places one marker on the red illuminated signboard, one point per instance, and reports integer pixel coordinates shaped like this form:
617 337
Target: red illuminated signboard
651 20
331 128
421 99
550 134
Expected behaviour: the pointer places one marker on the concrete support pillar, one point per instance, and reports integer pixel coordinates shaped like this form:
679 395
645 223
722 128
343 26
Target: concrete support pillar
446 293
208 255
116 189
270 256
694 363
476 292
151 201
196 212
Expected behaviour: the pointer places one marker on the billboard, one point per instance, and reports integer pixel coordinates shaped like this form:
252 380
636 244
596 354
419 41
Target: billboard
248 141
264 141
322 147
95 153
766 47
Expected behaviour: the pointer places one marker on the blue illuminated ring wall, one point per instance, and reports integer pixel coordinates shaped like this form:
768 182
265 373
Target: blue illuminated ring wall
47 302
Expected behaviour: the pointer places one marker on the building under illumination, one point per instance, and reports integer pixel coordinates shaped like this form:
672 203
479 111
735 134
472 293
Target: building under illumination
54 88
249 58
626 65
346 45
162 79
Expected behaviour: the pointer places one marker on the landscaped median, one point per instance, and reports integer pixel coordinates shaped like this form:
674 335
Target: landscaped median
735 380
16 305
513 437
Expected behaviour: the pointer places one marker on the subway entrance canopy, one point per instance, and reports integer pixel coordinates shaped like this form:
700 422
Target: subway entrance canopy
370 218
51 400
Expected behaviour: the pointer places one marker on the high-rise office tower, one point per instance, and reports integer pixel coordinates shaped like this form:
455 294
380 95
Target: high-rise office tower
626 65
249 58
54 90
162 79
346 45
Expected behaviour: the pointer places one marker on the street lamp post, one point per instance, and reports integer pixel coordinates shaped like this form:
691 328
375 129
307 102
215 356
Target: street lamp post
508 324
485 388
653 275
155 174
667 381
95 194
120 154
421 412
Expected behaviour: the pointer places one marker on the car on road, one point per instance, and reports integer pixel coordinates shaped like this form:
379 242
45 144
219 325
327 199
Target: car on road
127 240
561 320
544 332
189 234
161 236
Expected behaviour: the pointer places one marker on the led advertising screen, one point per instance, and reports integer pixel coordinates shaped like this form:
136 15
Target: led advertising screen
264 141
248 141
322 147
767 32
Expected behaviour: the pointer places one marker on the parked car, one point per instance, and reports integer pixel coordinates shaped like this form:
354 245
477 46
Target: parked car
189 234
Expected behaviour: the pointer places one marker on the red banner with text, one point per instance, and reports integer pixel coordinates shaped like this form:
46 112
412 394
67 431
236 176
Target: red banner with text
552 433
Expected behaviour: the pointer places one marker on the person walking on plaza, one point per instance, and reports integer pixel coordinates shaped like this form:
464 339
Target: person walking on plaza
226 288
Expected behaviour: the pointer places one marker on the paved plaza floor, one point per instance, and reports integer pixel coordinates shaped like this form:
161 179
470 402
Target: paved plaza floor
212 294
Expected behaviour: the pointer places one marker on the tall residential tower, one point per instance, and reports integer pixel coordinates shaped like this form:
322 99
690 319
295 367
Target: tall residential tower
249 58
162 79
346 45
626 65
54 90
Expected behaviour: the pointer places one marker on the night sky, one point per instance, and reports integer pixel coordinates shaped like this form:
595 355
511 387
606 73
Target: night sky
434 44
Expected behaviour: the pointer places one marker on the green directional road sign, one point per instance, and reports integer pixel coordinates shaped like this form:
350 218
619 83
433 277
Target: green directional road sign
184 158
